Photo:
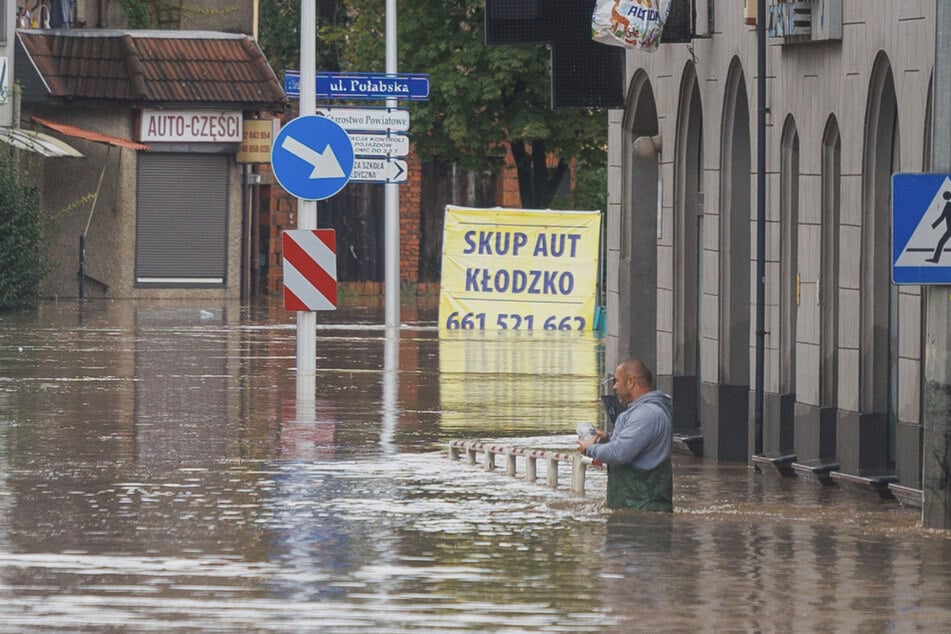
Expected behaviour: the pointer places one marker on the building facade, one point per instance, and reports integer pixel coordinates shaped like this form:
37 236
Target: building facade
848 88
158 205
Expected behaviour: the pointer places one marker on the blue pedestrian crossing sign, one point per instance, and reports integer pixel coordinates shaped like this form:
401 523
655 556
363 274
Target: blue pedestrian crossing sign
312 157
921 228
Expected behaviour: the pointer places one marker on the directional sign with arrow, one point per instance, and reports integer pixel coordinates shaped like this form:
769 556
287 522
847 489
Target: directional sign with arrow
325 163
312 157
370 170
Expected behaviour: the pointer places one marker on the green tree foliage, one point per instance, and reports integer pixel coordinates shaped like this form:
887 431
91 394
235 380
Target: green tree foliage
138 13
486 96
483 98
590 190
279 34
20 239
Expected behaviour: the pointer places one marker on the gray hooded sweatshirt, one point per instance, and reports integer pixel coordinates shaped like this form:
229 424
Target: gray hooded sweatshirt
642 434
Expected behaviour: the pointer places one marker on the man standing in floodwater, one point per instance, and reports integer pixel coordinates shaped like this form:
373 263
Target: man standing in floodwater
637 453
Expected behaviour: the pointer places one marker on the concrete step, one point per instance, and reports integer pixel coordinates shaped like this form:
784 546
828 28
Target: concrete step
775 462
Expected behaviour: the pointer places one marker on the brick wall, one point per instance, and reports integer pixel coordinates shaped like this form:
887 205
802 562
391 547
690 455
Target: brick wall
282 208
508 195
409 221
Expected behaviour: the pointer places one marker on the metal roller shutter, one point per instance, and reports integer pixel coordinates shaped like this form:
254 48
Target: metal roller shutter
182 220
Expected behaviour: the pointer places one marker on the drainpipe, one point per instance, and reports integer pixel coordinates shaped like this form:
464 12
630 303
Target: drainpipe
760 224
246 253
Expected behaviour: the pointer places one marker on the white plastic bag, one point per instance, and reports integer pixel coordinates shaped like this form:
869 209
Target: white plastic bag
629 23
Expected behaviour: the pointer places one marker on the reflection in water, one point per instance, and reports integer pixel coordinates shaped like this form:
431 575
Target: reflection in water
502 382
185 385
391 359
159 471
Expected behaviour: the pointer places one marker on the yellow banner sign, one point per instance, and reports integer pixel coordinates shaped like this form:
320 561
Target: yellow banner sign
519 269
256 142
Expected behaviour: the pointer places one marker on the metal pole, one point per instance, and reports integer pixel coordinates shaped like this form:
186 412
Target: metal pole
936 415
82 238
307 209
391 228
82 267
760 225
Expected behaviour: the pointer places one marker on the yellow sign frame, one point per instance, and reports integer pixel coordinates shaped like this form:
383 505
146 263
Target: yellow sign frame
519 269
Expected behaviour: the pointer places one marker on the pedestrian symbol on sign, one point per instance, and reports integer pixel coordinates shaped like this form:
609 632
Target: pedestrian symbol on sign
946 216
921 228
920 249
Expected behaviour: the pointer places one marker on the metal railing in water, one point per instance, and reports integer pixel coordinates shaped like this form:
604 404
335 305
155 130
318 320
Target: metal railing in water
579 463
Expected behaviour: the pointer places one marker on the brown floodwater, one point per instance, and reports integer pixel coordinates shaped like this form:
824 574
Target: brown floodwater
158 472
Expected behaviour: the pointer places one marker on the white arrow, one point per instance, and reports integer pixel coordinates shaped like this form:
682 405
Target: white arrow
400 169
325 164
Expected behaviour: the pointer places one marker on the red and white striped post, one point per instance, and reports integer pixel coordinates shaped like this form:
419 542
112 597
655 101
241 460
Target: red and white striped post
310 269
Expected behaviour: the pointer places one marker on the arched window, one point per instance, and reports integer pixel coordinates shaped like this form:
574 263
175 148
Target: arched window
878 353
641 195
687 252
788 255
829 265
735 214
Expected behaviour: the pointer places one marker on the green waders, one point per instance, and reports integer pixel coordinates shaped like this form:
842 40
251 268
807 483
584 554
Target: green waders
646 490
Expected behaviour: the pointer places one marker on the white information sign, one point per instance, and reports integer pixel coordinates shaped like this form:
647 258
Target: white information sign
368 119
371 170
392 145
190 126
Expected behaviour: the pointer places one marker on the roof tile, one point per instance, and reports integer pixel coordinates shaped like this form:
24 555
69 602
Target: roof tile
154 66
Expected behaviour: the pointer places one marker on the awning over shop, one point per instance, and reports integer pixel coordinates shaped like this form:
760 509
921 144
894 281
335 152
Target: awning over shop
38 142
89 135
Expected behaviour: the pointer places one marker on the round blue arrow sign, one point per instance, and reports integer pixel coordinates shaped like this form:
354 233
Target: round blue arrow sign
312 157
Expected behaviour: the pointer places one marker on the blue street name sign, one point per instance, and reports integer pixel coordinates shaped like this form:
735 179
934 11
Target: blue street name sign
363 86
921 228
312 157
